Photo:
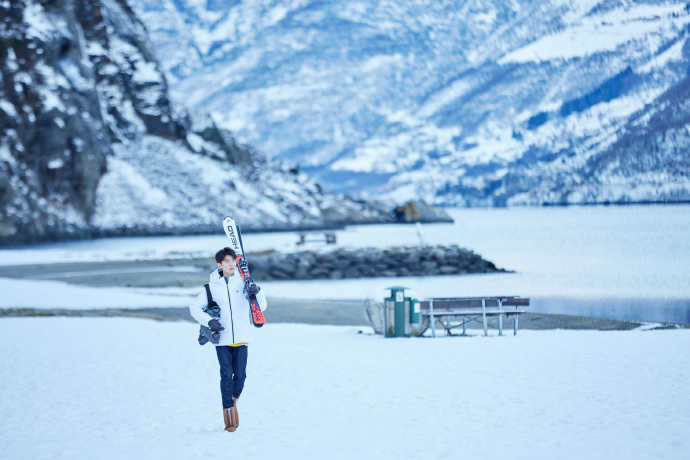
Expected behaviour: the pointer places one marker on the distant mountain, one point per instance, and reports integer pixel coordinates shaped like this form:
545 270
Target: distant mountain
458 102
90 143
648 159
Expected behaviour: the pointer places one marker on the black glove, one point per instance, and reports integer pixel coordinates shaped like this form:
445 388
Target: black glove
215 326
250 287
207 335
244 266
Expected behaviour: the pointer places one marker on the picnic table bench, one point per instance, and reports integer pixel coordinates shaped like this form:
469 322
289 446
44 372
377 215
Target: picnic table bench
454 312
328 238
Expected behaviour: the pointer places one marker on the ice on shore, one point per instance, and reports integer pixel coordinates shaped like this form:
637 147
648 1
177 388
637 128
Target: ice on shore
129 388
580 251
17 293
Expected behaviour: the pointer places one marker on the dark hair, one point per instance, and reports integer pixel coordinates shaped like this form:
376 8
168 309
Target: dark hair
226 251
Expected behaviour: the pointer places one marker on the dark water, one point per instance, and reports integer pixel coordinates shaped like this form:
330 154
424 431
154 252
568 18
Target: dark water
630 309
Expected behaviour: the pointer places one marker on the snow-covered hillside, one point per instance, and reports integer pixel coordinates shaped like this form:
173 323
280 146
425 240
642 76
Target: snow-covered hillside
90 142
459 102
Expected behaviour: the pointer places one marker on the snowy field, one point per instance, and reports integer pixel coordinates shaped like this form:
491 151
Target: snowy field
125 388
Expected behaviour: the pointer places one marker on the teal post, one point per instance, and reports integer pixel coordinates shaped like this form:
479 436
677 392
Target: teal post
414 311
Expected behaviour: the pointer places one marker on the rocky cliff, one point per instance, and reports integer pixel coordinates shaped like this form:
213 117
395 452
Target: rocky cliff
91 144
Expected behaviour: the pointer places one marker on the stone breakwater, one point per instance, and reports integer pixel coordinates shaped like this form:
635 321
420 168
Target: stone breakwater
369 262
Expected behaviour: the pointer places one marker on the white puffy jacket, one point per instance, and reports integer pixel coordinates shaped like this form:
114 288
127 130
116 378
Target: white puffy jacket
235 314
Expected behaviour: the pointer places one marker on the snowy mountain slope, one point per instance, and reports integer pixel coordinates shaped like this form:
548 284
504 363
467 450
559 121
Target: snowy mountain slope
443 100
171 189
91 143
648 161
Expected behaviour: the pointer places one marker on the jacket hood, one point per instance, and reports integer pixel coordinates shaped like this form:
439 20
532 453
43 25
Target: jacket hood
216 276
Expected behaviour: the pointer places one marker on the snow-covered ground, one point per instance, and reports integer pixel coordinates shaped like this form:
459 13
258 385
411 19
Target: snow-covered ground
56 294
125 388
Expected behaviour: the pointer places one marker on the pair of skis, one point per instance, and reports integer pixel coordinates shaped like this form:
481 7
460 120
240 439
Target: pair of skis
232 231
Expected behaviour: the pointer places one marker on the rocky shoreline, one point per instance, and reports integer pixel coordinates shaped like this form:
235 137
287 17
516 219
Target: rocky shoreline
305 265
361 213
369 262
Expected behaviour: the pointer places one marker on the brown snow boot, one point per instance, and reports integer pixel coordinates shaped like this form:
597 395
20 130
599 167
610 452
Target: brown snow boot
234 417
227 418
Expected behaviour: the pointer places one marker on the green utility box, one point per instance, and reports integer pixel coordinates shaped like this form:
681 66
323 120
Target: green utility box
399 313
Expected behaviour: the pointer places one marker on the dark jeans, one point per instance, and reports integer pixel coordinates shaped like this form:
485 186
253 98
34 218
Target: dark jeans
233 371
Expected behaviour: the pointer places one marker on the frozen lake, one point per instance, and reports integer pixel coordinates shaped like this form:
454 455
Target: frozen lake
625 254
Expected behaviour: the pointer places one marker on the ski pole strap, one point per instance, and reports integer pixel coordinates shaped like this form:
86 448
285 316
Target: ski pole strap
209 299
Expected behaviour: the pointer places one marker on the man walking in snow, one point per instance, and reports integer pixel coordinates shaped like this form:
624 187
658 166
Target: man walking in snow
232 330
